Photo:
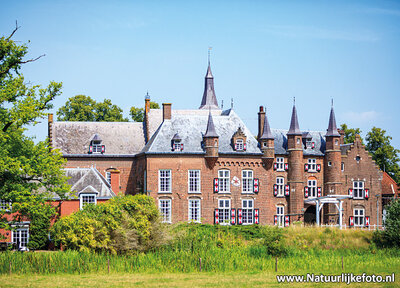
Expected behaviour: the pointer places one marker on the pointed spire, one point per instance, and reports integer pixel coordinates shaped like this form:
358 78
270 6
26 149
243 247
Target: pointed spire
294 123
267 134
332 128
209 100
210 131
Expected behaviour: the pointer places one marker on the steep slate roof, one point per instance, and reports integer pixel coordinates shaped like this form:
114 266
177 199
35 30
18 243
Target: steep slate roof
294 123
192 124
267 134
119 138
87 180
209 100
332 129
210 131
280 141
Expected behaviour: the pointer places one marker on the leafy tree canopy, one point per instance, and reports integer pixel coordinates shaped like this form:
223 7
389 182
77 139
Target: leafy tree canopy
137 114
350 134
384 154
84 108
28 171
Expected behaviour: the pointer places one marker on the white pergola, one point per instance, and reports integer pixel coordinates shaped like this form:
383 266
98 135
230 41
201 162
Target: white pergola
330 199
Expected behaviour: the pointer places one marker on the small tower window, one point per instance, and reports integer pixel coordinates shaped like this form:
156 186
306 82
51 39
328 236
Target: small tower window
336 142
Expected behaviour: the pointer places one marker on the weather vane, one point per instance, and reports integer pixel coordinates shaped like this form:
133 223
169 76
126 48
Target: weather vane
209 53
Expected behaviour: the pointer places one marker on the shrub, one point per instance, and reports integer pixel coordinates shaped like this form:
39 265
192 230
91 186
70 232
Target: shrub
273 241
390 237
123 224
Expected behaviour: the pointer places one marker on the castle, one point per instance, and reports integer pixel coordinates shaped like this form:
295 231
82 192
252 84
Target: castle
205 165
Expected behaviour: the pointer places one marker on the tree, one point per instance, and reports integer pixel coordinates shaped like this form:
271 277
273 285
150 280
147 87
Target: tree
30 174
390 237
137 114
384 154
350 134
84 108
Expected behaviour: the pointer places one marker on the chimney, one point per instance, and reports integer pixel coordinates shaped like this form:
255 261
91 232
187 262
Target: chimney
166 111
146 117
261 119
50 128
341 132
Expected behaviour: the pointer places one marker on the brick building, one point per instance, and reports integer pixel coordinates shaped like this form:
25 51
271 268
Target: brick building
205 165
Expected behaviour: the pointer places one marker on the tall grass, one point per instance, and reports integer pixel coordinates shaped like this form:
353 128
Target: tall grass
221 249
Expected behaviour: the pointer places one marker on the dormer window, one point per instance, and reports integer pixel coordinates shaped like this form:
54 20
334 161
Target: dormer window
95 146
239 140
87 198
240 145
176 143
310 144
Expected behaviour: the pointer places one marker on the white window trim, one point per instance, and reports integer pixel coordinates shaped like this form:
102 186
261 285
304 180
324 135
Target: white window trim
228 186
108 177
280 188
189 214
5 203
280 164
359 217
247 208
362 190
86 194
225 222
19 228
310 188
239 145
280 217
248 179
170 181
312 164
163 219
199 179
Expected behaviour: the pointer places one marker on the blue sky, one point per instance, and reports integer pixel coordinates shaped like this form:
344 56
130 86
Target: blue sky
263 53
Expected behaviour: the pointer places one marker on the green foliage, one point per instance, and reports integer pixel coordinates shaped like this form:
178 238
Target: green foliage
390 237
137 114
122 224
384 154
350 134
84 108
30 174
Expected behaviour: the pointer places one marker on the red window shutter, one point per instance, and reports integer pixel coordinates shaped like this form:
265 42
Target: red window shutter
244 146
287 221
367 221
256 216
233 216
216 216
306 167
235 146
306 192
239 216
287 190
350 192
318 167
255 185
90 149
216 186
351 221
275 190
319 191
313 145
366 193
275 166
103 149
182 147
286 166
275 219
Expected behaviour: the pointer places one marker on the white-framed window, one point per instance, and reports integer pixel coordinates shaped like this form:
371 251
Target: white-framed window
280 185
194 181
194 210
20 237
358 189
96 146
165 210
224 179
359 215
247 211
247 181
224 206
280 213
280 162
342 166
108 177
164 181
309 144
5 205
87 198
312 188
239 145
312 165
176 145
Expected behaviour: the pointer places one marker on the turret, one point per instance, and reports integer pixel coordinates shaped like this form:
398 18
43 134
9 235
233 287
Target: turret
295 172
210 142
267 144
209 100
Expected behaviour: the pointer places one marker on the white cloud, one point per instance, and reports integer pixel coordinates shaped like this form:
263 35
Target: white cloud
360 117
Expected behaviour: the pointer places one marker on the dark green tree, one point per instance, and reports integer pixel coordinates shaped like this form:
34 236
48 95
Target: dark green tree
30 174
384 154
84 108
137 114
350 134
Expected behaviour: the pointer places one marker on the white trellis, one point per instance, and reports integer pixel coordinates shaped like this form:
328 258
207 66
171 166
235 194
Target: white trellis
330 199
